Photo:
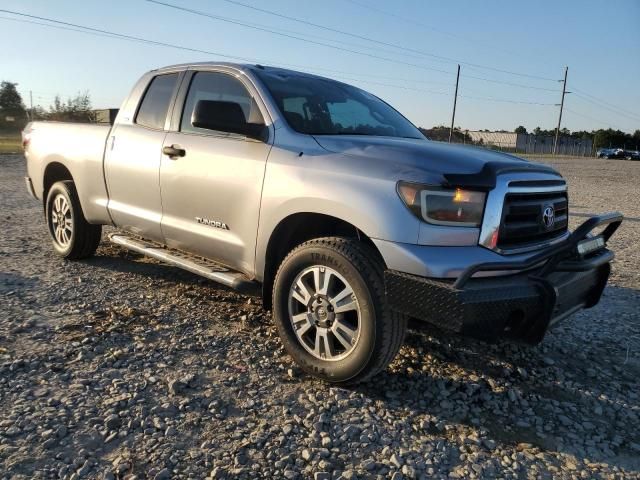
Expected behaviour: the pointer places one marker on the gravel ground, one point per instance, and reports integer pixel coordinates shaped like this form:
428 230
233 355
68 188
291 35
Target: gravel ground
121 367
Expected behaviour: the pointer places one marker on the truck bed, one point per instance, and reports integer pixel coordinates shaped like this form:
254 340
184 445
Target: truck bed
78 148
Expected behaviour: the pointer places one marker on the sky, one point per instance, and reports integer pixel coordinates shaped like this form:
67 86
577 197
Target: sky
512 54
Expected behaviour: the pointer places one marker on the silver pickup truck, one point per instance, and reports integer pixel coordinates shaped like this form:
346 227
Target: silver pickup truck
350 220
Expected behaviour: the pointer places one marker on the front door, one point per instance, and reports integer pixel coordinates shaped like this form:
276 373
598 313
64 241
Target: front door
132 162
211 195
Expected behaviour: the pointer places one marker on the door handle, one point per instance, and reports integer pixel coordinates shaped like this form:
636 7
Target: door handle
173 151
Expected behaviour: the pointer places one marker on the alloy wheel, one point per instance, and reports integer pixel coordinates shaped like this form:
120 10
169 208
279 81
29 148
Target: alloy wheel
324 313
61 221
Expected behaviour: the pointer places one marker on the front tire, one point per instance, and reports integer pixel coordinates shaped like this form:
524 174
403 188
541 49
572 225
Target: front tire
330 311
73 237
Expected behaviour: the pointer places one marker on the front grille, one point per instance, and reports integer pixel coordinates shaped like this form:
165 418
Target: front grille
522 219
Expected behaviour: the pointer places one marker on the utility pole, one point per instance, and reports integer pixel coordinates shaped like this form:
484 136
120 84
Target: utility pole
564 92
30 105
455 100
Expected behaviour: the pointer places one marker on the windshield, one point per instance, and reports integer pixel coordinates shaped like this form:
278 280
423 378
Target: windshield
319 106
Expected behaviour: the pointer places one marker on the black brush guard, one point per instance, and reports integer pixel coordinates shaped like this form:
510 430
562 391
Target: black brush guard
548 287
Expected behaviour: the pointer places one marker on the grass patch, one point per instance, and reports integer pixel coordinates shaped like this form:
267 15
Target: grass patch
10 143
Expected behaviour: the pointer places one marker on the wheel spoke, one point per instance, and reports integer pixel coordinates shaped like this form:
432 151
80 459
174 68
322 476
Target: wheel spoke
59 203
65 207
342 295
301 293
323 347
67 223
65 236
344 333
321 280
302 323
343 301
59 236
346 307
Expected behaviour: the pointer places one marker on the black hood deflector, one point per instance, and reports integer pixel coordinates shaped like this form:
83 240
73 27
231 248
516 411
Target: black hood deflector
485 179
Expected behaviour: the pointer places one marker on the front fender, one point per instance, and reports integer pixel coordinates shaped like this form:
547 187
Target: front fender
320 184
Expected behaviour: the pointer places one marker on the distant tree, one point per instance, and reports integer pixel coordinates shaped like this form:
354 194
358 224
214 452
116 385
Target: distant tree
521 130
441 134
39 113
76 109
612 138
12 111
537 131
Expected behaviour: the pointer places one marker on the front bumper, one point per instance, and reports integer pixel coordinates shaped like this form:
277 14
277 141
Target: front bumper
550 286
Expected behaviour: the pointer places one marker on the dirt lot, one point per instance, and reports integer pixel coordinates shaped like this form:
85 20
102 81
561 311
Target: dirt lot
120 367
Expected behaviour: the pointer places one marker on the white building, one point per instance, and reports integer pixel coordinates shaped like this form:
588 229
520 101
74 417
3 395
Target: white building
530 143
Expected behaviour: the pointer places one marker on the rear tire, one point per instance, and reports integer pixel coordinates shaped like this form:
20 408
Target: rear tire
73 237
332 290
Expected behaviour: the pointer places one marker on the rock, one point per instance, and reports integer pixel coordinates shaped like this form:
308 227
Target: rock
162 475
112 422
85 469
409 471
217 473
50 443
368 464
322 476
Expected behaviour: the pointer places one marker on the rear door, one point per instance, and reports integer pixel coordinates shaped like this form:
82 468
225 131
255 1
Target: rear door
211 195
132 160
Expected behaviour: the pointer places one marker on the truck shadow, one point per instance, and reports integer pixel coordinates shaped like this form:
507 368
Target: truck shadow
569 394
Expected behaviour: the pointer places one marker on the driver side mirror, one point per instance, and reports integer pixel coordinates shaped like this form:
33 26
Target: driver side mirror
225 117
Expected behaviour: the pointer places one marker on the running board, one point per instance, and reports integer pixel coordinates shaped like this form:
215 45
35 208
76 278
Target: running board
191 263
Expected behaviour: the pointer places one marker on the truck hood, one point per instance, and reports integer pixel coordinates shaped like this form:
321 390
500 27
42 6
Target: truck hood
455 164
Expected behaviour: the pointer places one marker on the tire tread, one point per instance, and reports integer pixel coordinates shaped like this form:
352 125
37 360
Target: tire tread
87 236
391 326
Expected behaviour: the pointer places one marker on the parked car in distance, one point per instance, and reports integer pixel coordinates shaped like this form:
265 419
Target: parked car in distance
329 200
632 155
611 153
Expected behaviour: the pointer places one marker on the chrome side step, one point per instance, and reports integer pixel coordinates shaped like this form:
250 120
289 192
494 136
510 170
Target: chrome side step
198 265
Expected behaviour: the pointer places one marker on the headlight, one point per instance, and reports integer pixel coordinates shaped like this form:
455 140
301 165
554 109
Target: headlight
442 206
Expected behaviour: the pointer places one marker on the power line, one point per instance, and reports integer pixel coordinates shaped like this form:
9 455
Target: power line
505 100
519 85
354 35
387 13
294 37
602 101
607 107
105 33
608 124
123 36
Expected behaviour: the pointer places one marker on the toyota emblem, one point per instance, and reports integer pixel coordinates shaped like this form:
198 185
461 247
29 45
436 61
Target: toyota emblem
548 217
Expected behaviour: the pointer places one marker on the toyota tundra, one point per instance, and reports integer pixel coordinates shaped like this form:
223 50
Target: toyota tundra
349 220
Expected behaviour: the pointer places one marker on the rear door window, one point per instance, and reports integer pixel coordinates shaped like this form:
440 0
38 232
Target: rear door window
155 104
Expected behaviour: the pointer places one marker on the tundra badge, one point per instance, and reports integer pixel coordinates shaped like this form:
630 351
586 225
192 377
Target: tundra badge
212 223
